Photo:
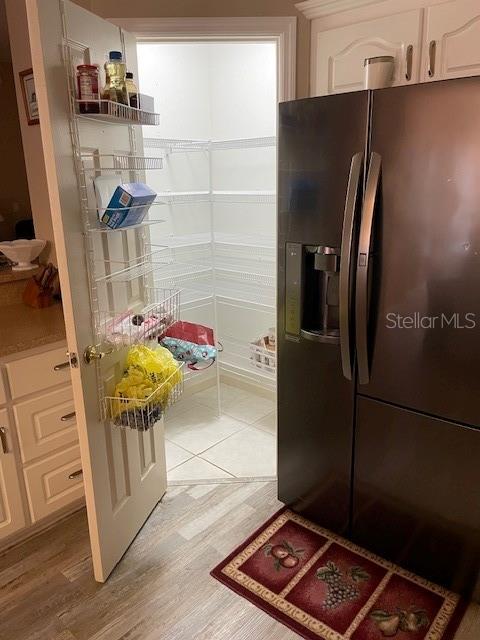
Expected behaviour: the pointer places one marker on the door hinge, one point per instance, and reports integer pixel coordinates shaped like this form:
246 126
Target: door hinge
73 360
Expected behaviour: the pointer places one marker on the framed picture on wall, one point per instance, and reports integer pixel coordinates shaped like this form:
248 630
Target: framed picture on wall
29 96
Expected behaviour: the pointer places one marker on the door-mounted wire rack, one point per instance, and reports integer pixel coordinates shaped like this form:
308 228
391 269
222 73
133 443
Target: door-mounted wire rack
141 413
145 311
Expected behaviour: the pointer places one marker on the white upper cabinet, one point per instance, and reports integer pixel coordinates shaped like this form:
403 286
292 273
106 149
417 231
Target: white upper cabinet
338 54
452 41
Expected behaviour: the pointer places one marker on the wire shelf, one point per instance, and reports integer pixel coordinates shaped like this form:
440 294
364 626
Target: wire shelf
244 197
120 162
183 197
244 143
140 325
100 227
177 145
142 413
174 145
137 267
116 113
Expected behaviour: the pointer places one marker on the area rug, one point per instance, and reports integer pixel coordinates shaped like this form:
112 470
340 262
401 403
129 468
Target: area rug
324 587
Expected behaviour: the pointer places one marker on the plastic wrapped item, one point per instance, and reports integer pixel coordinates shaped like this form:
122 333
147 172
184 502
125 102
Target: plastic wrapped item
152 378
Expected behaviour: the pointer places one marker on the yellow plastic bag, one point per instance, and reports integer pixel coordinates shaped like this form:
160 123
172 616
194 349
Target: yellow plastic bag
144 391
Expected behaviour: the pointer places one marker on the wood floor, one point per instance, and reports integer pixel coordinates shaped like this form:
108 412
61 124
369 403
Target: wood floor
161 589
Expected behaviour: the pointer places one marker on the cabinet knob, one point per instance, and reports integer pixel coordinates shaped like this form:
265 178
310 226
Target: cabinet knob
75 474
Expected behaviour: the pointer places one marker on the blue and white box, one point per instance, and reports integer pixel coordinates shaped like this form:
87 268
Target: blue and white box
128 205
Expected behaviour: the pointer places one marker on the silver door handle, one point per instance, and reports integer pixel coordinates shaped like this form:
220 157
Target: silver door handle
409 63
432 54
61 366
345 285
3 439
95 352
364 249
75 474
68 416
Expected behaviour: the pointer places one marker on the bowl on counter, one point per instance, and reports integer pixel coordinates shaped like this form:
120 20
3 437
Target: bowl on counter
22 252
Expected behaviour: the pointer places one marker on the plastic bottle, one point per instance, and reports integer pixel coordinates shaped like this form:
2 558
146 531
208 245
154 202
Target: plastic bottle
115 71
132 91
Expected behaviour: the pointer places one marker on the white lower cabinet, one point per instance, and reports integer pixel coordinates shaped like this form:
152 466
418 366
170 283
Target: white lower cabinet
40 465
12 517
53 483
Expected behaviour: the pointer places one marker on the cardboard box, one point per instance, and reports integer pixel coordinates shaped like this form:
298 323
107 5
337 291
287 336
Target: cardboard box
128 205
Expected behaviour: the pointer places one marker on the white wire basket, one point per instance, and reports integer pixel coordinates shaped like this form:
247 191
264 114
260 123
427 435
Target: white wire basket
141 414
116 112
263 358
143 325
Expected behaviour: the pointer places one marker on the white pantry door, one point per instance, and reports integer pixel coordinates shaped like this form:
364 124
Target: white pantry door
123 470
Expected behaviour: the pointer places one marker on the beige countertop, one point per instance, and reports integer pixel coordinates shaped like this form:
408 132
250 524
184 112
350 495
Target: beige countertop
23 328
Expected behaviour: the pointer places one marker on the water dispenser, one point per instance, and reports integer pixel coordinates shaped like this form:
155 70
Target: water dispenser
312 292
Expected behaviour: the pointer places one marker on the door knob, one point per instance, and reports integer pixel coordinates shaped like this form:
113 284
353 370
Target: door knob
94 352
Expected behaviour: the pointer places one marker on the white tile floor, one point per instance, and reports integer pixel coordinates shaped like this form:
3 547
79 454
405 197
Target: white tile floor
239 444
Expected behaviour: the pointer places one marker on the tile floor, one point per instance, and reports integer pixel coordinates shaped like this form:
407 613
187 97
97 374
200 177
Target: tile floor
239 444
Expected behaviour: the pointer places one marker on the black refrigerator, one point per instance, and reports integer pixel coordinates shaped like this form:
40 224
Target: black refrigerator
379 322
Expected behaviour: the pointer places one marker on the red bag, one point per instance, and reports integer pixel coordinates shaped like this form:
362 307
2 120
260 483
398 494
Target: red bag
191 332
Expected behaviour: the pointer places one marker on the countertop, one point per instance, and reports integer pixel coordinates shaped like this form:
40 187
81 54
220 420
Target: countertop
23 328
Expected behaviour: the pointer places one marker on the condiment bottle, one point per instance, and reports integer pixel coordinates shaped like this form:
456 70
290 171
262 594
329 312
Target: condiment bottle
115 87
87 84
132 91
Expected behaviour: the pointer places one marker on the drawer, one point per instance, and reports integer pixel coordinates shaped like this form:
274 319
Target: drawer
48 484
36 373
46 423
3 394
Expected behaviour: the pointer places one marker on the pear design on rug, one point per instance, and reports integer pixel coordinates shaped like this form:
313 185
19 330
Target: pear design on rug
391 622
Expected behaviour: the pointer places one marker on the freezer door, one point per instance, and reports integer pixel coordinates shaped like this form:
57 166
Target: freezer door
424 266
416 495
321 156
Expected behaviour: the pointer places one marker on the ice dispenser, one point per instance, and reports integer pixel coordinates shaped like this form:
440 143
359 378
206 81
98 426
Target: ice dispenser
312 292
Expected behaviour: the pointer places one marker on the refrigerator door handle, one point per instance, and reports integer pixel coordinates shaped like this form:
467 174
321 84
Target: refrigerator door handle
346 262
364 248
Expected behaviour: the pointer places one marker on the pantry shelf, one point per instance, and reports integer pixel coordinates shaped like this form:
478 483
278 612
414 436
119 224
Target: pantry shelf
183 197
178 145
115 113
137 268
244 197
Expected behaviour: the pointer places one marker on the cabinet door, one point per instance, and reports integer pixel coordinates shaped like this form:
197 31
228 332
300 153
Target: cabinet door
451 48
338 55
12 516
416 497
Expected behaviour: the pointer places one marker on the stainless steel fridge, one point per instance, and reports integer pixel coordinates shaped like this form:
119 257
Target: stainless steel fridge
379 322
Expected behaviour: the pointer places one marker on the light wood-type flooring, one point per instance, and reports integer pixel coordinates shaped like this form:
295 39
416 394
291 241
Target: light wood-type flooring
161 589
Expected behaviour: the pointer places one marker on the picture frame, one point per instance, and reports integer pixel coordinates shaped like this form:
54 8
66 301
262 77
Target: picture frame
29 96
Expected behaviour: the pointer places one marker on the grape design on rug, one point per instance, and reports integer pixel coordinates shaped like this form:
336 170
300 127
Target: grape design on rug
342 586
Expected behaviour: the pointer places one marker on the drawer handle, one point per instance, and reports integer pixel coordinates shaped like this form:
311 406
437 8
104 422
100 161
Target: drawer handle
68 416
3 439
75 474
60 367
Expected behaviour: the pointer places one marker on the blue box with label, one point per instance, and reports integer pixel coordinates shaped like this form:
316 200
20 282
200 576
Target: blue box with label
128 206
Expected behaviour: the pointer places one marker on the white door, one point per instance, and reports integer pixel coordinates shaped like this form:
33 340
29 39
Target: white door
338 54
124 469
12 516
452 41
